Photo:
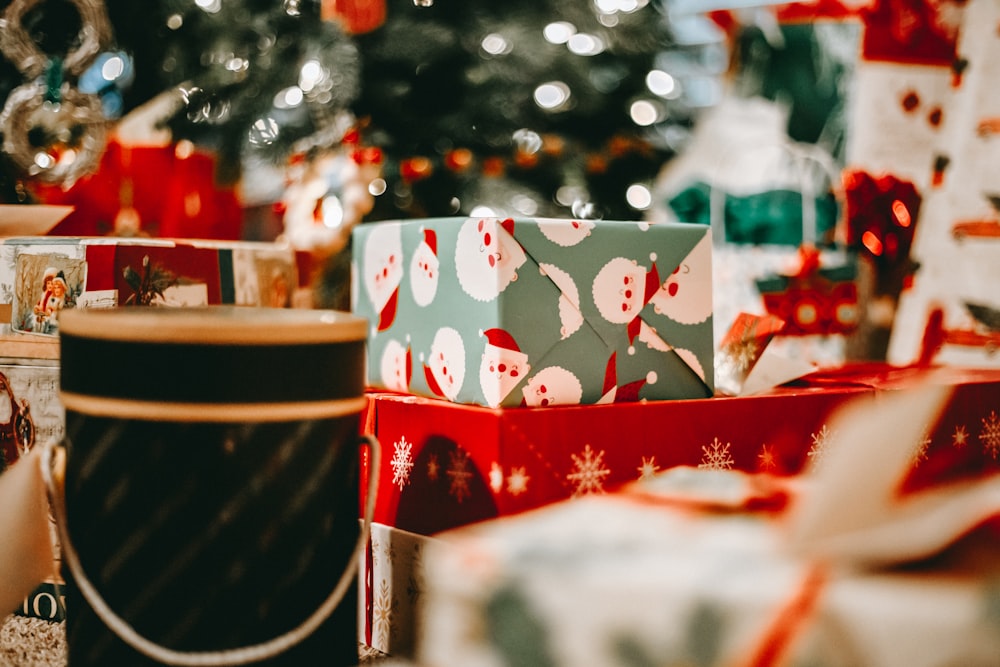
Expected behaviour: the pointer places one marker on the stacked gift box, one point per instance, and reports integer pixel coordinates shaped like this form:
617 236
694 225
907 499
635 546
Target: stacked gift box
107 272
876 557
477 426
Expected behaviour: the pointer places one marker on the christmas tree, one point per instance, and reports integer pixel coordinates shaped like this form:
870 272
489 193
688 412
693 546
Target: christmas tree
526 107
251 79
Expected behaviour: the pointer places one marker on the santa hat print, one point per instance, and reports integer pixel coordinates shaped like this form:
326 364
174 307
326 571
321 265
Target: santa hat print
612 393
501 339
430 238
652 281
432 383
388 313
629 393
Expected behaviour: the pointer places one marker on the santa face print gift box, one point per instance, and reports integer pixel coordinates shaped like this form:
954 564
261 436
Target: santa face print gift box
511 312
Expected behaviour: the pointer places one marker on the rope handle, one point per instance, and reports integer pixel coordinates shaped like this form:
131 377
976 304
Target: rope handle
52 462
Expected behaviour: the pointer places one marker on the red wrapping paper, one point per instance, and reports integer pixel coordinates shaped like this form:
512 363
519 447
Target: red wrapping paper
445 465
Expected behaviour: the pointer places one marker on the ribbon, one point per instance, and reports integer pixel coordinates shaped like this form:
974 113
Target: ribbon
769 217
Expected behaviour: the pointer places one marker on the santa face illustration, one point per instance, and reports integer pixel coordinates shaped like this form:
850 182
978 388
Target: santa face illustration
502 368
487 257
445 365
686 295
552 386
424 269
621 289
383 265
396 367
565 232
570 316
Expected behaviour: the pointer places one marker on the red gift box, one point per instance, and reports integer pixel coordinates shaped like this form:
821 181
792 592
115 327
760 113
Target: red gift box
445 465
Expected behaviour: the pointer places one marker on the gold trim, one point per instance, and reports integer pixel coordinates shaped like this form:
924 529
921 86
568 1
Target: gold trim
214 325
210 412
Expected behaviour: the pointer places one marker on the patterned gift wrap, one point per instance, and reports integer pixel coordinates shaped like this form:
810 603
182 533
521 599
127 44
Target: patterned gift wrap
511 312
42 276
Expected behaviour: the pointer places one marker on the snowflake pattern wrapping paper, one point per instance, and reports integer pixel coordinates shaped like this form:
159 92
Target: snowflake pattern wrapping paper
516 460
840 566
509 312
447 464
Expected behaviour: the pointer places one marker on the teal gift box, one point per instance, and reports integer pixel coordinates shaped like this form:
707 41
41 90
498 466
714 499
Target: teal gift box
536 312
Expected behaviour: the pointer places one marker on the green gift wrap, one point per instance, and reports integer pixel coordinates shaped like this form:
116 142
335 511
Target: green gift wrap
536 312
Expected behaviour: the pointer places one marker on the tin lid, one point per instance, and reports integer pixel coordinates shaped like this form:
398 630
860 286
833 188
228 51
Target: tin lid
232 363
213 325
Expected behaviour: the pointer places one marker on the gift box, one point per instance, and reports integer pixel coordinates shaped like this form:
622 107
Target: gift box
31 413
39 276
510 312
390 582
447 465
714 567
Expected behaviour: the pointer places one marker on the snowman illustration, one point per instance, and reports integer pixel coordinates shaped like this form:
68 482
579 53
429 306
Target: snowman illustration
565 233
570 316
444 368
686 295
396 367
487 257
424 269
553 385
503 366
383 271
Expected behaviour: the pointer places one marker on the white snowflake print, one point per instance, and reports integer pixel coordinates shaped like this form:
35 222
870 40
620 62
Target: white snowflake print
990 435
766 459
920 449
588 472
433 467
648 467
715 456
459 474
496 477
960 438
402 462
382 613
820 442
517 481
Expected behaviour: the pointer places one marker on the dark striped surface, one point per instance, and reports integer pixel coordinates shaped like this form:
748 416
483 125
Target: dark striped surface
212 536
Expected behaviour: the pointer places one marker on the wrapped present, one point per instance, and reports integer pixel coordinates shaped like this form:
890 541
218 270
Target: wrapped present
947 310
31 413
40 276
505 312
390 581
447 465
712 567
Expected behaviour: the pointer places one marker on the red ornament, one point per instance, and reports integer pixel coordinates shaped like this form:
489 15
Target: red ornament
357 16
415 169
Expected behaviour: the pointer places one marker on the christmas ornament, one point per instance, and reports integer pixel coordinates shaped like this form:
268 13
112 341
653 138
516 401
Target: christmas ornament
328 194
52 130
